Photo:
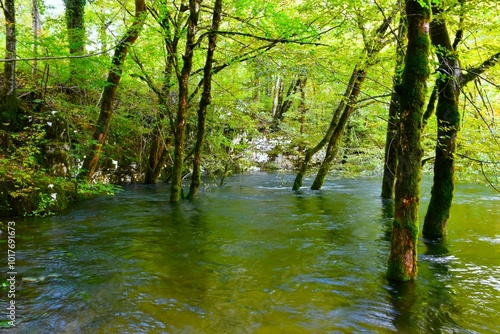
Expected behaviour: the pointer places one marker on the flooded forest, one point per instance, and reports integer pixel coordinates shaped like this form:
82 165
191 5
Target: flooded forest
300 166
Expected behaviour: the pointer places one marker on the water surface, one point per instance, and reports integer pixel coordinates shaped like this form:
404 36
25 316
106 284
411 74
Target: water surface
254 257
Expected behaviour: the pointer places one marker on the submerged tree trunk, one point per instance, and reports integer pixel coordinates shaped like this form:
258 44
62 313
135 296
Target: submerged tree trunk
402 264
109 92
205 101
180 122
391 139
304 165
9 103
372 48
158 150
391 153
333 143
449 86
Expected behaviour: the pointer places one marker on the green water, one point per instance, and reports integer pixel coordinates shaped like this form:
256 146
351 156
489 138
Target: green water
254 257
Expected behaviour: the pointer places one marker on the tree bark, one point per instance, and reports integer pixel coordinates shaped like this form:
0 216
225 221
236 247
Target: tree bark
302 105
402 264
9 115
180 122
371 49
391 139
37 29
109 92
205 101
277 95
333 143
304 165
449 86
286 102
75 25
158 152
448 118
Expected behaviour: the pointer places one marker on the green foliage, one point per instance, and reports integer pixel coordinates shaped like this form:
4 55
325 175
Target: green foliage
243 92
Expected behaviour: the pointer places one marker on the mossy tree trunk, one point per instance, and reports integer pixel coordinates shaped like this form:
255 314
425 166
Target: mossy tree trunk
402 264
449 85
181 121
10 117
391 139
448 118
75 26
310 152
171 26
109 92
206 97
333 143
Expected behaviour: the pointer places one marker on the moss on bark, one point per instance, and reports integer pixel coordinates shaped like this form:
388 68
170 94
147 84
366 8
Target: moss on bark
448 118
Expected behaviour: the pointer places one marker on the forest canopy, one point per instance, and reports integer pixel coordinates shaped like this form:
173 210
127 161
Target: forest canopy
283 77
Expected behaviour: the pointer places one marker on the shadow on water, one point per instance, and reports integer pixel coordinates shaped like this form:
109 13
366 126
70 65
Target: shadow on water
435 268
387 218
423 305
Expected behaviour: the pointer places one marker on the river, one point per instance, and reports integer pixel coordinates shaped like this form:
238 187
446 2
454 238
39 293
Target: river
253 257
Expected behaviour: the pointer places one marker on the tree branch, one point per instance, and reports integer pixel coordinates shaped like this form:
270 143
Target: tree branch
474 72
299 41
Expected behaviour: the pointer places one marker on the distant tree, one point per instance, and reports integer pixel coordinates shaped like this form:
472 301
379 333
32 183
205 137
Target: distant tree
9 104
391 139
283 102
37 29
402 264
109 92
75 26
374 43
205 100
181 121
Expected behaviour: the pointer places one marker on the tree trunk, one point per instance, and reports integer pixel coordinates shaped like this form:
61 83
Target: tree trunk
371 49
37 29
205 101
333 143
75 13
277 95
9 106
109 92
158 152
286 102
448 118
180 122
391 139
402 264
302 105
304 165
157 156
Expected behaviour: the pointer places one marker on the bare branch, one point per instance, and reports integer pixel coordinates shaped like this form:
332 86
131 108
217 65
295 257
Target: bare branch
62 57
300 41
